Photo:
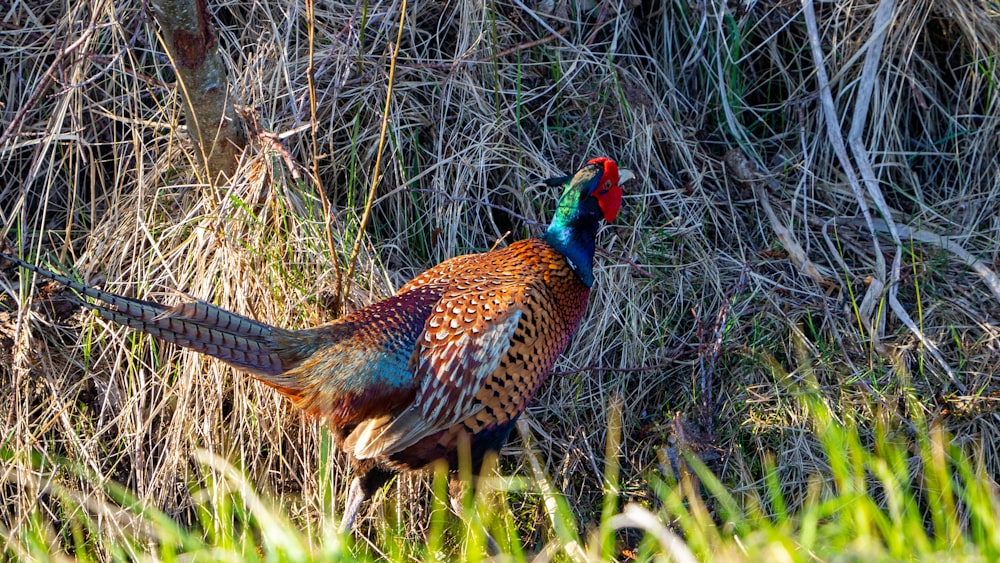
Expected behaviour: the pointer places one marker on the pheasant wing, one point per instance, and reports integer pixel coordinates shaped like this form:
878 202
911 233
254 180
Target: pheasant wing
463 342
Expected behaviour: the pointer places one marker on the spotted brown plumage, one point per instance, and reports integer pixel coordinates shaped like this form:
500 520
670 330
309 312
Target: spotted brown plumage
453 358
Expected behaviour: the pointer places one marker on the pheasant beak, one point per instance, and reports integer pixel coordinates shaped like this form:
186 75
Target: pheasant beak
624 175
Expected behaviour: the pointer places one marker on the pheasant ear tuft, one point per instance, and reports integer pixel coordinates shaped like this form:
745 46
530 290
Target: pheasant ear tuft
557 182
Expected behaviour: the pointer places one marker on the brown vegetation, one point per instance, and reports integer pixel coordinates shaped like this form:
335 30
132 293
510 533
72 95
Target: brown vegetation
843 161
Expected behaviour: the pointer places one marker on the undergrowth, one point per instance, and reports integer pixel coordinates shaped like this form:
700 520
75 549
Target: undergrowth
796 310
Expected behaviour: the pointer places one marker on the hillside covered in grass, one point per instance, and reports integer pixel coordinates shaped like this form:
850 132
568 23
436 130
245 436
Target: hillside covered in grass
792 348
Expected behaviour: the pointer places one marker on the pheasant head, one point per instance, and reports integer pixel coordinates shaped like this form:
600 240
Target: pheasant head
591 194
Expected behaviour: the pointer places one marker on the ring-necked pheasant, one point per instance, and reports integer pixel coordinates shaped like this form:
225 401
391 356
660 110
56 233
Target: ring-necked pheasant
453 357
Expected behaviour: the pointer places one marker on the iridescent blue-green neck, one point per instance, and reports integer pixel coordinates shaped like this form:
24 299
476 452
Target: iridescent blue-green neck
573 232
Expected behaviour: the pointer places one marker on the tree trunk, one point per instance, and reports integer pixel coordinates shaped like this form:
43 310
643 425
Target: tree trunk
191 42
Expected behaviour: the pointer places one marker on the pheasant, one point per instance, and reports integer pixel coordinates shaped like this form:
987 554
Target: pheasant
453 358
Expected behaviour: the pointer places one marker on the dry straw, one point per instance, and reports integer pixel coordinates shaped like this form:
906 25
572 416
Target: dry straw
865 217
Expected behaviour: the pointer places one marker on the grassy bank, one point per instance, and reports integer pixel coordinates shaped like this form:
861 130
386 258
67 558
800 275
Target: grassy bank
799 296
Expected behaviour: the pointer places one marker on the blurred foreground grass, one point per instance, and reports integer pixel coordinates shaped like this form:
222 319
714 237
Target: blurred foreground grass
873 504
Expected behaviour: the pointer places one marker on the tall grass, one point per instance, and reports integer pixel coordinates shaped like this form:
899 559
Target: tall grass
904 493
830 392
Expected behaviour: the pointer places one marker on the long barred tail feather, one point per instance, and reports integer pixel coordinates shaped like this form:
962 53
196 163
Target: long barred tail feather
199 326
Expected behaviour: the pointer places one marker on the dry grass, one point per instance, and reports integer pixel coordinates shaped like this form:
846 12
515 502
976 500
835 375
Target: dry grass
95 178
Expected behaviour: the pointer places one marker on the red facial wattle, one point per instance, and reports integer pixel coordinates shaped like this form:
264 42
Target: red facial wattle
608 192
610 202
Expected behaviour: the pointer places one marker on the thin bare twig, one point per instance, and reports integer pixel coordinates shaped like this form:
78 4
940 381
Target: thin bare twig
328 216
378 159
43 84
709 360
